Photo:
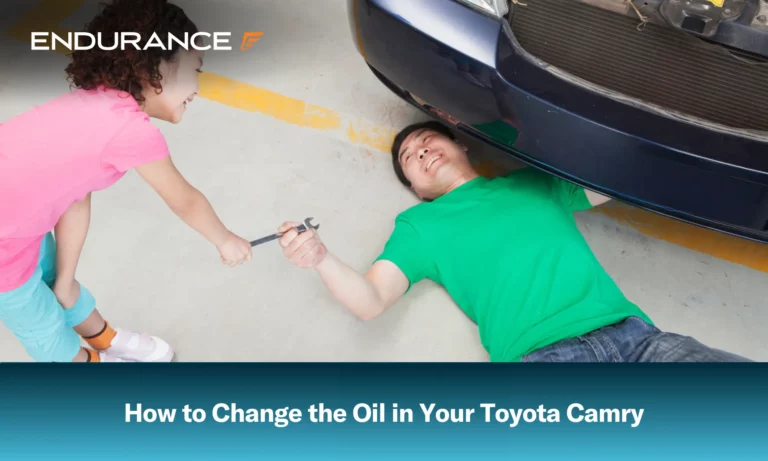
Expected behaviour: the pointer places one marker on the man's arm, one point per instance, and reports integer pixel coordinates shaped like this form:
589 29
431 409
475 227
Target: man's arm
366 296
70 232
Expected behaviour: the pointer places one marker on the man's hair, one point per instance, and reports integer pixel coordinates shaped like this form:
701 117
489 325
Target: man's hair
130 69
432 125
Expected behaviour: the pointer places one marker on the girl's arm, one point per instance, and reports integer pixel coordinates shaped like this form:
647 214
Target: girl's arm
193 208
70 233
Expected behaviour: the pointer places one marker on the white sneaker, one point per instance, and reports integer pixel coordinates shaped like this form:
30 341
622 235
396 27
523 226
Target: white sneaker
104 357
139 347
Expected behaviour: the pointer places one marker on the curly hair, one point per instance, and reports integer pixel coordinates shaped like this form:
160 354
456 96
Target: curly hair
129 70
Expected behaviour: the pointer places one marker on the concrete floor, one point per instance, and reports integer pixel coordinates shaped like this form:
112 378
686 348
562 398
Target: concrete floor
150 273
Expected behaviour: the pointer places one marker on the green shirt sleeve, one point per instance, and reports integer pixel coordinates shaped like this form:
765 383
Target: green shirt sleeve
406 249
570 195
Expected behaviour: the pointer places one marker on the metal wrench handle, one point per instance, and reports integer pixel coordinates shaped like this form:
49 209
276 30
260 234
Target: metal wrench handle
302 228
276 236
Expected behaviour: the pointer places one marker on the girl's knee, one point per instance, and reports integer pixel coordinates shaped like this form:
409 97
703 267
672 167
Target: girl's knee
82 309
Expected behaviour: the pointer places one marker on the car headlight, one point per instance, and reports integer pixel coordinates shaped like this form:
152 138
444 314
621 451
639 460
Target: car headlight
495 8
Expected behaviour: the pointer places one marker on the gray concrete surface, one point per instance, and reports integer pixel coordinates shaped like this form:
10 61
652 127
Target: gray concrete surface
150 273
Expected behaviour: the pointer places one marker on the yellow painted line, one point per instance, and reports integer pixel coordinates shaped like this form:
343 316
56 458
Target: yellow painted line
376 136
254 99
48 15
733 249
251 98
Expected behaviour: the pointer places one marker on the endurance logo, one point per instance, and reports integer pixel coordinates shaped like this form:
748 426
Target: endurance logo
249 38
80 41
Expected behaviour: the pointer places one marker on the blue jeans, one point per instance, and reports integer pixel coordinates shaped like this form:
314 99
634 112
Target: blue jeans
632 340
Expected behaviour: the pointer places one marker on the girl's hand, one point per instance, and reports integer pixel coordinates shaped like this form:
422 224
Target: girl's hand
66 292
234 250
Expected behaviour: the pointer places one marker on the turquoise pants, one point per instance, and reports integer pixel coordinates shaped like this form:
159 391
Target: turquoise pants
32 313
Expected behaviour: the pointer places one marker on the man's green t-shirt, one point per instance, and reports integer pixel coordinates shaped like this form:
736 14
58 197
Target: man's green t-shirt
510 254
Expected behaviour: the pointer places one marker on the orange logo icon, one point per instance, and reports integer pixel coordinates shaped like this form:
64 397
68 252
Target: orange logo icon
249 38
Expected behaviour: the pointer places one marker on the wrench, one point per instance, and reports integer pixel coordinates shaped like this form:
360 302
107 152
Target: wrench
302 228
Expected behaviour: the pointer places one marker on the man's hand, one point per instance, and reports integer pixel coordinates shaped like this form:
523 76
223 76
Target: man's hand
234 250
306 250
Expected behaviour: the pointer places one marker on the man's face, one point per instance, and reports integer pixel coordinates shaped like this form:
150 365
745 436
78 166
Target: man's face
432 162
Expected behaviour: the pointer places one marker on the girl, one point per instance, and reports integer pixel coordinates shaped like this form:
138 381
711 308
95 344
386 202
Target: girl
54 156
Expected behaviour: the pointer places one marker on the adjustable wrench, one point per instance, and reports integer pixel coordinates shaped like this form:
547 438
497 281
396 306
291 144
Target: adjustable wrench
302 228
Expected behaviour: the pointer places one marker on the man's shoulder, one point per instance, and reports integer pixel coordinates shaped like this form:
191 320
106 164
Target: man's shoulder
418 216
526 174
529 180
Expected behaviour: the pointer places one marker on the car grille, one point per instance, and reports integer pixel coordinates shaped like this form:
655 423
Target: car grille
659 65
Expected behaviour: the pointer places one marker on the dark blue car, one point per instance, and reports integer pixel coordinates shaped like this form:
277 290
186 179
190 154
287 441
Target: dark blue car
662 104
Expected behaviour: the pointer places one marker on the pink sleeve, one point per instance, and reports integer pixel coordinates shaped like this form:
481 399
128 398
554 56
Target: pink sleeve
137 143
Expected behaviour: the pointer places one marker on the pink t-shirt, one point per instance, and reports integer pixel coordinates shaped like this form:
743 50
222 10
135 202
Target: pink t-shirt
54 155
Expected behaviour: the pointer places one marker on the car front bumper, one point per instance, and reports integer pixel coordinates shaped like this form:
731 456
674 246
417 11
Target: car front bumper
470 66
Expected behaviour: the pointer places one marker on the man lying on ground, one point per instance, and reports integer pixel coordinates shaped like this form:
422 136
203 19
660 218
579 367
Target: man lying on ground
509 253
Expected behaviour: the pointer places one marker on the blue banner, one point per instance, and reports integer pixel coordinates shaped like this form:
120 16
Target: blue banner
383 411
